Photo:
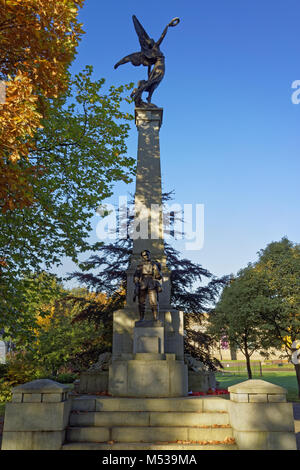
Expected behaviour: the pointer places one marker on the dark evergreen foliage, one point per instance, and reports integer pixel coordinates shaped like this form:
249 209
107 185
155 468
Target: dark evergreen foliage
106 272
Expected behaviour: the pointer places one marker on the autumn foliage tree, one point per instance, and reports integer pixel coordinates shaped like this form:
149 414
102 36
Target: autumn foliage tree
62 144
38 40
81 152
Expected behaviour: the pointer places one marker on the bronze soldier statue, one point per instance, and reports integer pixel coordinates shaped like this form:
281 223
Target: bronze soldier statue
150 55
146 278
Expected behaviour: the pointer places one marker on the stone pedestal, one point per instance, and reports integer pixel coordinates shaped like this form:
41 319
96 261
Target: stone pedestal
260 416
148 338
123 328
148 371
37 417
148 375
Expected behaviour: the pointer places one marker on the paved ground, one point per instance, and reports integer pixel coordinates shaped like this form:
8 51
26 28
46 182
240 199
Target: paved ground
1 427
296 408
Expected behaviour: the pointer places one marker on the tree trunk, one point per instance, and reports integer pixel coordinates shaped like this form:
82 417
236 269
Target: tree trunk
247 356
297 369
249 371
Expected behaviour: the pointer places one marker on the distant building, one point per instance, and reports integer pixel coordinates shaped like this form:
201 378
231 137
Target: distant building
3 350
225 352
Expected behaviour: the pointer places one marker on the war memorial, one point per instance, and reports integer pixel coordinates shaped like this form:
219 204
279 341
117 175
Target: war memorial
148 406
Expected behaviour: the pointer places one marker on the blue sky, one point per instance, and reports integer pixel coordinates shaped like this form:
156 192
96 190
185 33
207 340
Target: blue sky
231 135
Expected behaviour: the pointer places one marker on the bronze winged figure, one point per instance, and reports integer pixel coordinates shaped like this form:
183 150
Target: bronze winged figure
149 56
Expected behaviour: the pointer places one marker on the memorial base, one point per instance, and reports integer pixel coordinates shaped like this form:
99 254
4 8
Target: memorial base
149 371
148 375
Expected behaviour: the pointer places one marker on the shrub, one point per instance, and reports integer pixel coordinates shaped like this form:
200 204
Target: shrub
5 391
3 370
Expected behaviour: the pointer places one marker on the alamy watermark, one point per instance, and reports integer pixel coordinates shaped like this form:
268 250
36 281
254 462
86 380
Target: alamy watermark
136 221
296 94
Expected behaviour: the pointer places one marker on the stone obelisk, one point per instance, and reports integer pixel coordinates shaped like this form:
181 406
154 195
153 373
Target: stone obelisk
133 368
148 230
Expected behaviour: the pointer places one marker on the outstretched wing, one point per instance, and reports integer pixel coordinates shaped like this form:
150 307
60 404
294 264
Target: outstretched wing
145 42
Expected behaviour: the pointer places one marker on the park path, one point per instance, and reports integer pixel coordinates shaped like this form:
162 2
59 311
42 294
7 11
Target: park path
1 428
296 410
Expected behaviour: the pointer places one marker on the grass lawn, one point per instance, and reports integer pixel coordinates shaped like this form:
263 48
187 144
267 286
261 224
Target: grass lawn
284 379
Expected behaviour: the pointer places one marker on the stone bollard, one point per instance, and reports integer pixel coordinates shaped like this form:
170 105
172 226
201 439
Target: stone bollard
37 416
260 416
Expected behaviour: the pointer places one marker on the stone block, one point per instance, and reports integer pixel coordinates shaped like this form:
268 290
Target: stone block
239 397
257 397
263 440
209 434
261 416
273 398
266 422
178 377
32 440
110 418
149 357
187 419
148 379
149 434
118 375
93 381
172 404
123 324
52 397
186 404
170 357
37 387
32 398
173 321
198 382
149 344
148 339
281 441
215 404
88 434
84 404
251 440
257 387
17 397
36 416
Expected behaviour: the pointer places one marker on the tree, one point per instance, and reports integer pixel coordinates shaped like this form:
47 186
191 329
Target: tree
80 152
47 339
260 308
106 272
60 341
237 315
38 40
38 292
279 266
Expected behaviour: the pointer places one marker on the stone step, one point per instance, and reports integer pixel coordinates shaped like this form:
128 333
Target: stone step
188 404
146 446
88 434
147 434
147 418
